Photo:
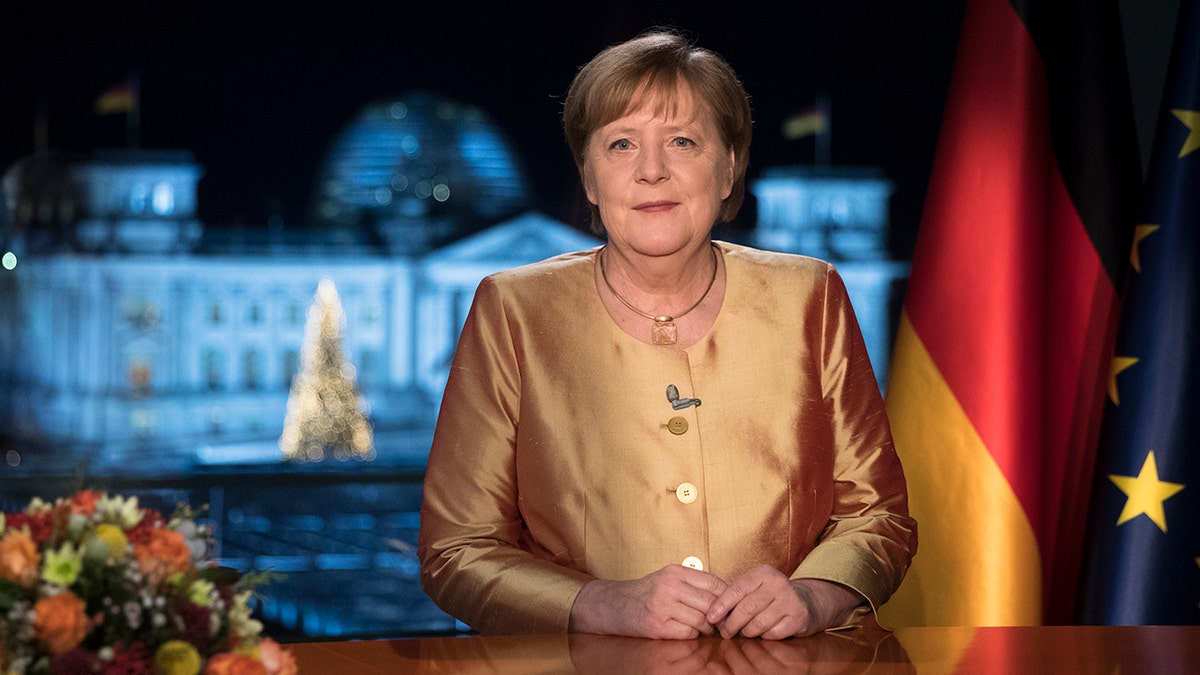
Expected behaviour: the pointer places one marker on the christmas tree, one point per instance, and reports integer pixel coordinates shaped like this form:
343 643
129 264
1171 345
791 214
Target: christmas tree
324 415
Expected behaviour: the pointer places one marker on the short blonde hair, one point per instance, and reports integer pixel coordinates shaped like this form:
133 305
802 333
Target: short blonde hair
651 66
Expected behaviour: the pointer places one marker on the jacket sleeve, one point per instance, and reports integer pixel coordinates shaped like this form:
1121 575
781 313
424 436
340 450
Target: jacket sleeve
870 538
472 562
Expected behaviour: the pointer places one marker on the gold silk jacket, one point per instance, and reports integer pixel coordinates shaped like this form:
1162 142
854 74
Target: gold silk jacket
559 456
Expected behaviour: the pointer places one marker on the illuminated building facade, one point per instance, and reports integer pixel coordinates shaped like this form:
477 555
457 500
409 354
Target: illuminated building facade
133 332
137 342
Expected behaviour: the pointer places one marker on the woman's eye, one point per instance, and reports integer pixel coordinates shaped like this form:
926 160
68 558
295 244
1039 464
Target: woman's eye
682 142
621 144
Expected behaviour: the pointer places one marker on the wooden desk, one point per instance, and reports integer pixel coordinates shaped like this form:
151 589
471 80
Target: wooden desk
1058 649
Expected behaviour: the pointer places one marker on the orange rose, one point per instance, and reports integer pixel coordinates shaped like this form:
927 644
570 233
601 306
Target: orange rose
276 659
164 554
60 622
234 664
19 558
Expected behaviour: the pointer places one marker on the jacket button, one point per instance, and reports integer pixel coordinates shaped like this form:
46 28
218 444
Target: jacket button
686 493
677 425
693 562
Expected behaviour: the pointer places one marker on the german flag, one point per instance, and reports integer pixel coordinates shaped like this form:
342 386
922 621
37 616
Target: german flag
1003 347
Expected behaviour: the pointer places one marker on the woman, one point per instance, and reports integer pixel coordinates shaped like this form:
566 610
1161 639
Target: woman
666 436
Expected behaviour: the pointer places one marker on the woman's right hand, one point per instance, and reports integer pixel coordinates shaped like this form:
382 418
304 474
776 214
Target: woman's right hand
671 603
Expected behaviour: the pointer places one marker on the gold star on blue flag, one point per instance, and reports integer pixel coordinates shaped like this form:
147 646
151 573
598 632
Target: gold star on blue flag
1144 570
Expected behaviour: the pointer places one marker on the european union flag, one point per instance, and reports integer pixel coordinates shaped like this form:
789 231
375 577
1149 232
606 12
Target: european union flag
1144 551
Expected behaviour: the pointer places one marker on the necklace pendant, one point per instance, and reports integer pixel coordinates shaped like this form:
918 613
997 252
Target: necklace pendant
663 332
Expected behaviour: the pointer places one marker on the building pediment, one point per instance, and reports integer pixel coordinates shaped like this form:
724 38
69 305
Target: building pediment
525 239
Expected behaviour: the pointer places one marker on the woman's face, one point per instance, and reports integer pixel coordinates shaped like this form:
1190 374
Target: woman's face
659 178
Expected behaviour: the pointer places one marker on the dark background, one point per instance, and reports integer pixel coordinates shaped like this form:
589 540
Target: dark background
258 89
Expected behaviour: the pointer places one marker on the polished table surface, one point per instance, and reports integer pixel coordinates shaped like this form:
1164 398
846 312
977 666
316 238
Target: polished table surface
1058 649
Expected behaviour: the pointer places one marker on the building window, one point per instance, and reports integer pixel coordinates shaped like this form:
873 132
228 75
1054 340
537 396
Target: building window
214 314
370 313
254 314
163 199
216 421
142 422
368 369
295 314
291 366
252 367
140 375
214 367
139 196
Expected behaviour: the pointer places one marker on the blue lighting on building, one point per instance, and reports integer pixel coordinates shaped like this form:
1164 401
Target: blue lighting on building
144 349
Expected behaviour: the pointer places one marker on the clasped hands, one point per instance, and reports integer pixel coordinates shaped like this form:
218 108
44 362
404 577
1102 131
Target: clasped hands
678 602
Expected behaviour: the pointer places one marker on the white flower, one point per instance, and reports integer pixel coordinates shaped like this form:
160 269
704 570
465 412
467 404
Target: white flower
195 536
121 511
240 621
76 524
133 614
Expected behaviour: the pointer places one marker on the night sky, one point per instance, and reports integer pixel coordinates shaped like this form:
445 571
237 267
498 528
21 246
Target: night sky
257 93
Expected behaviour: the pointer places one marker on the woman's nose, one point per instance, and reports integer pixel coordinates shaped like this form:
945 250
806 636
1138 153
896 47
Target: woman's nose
652 165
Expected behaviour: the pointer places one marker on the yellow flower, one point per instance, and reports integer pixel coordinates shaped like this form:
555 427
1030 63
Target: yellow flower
176 657
19 558
63 566
108 542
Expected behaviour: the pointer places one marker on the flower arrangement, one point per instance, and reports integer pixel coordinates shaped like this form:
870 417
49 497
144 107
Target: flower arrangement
95 584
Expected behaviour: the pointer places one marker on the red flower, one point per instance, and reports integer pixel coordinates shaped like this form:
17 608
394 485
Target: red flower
131 659
143 532
40 525
197 624
84 502
77 660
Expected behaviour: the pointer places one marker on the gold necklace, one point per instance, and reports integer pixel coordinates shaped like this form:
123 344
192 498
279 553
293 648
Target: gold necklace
664 331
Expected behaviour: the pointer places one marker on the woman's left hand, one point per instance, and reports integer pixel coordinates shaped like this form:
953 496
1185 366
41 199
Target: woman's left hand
765 603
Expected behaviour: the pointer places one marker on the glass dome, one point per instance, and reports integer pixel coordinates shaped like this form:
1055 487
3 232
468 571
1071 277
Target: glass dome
419 171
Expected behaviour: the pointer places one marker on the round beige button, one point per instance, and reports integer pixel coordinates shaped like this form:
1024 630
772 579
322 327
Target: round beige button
693 562
686 493
677 425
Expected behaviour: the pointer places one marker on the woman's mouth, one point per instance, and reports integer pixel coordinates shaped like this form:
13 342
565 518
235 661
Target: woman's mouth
655 206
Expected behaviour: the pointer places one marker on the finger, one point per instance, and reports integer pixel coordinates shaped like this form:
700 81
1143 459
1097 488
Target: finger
786 627
752 616
721 606
682 629
700 591
703 580
692 618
